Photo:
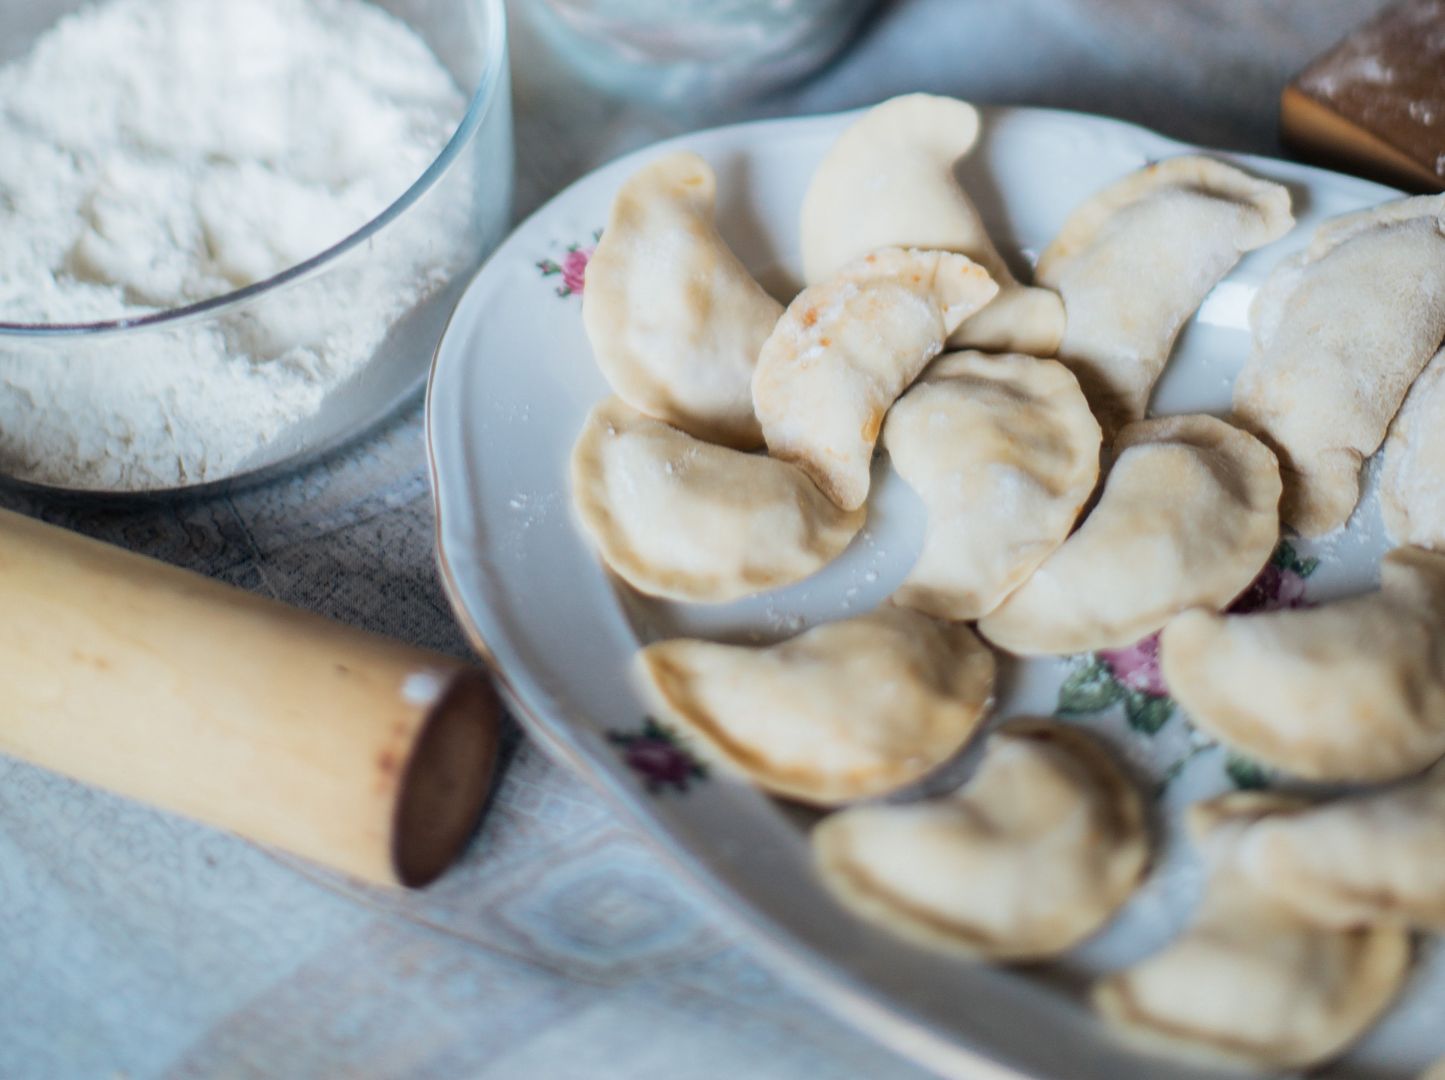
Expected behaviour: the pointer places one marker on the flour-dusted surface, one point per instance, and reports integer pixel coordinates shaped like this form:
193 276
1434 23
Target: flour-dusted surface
161 152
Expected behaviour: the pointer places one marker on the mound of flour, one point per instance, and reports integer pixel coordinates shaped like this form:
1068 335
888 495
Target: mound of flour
154 153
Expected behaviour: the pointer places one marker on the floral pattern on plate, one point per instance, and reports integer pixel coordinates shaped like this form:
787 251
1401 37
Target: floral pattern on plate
1132 677
573 267
658 755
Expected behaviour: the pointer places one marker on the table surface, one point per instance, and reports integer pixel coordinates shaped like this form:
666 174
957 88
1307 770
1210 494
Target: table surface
139 945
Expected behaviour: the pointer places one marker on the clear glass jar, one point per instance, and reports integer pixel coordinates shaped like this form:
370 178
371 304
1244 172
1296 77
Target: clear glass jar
696 51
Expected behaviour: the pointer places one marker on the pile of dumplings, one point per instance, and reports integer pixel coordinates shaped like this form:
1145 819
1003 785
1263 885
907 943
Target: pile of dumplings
735 458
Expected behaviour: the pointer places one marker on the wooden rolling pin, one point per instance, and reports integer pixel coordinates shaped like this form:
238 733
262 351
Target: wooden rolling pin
1375 103
338 745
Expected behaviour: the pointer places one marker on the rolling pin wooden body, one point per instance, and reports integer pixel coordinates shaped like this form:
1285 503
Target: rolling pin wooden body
1375 103
287 728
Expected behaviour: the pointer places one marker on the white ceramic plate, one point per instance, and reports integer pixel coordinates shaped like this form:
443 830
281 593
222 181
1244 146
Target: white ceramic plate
512 383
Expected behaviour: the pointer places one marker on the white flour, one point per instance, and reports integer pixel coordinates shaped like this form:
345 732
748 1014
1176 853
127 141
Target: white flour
158 152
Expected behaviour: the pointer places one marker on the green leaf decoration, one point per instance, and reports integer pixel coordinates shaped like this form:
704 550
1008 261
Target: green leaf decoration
1287 558
1284 555
1147 712
1246 775
1090 688
1171 774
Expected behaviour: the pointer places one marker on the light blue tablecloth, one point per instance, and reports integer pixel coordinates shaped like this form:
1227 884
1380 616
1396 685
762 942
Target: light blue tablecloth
138 945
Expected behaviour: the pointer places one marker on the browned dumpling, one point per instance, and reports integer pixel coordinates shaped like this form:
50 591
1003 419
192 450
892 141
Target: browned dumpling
845 349
674 318
1187 518
1340 333
1250 984
889 182
1412 483
1035 853
1004 452
1135 260
1351 690
677 517
843 711
1374 859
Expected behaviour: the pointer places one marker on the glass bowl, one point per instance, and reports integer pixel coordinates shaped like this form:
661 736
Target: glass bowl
696 52
383 293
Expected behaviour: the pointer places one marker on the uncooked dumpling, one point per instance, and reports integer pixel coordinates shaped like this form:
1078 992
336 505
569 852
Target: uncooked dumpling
1135 261
1352 690
1412 485
844 711
674 319
1436 1071
889 182
1340 332
1030 857
1363 860
1250 984
677 517
1004 452
844 350
1187 518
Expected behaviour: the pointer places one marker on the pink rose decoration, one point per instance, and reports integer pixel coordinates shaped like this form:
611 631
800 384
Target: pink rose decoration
574 268
660 763
1131 677
1137 667
656 755
1276 587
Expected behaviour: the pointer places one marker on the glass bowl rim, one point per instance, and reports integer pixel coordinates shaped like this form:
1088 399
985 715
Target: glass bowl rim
478 106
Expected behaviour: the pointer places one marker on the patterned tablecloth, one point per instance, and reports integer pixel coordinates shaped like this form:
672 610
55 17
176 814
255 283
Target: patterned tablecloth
138 945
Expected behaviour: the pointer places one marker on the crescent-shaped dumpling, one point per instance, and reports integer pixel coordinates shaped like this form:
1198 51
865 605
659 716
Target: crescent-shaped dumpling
843 711
1340 333
1134 262
1375 859
1250 984
1412 483
677 517
1187 518
1035 853
674 318
889 181
1351 690
844 350
1004 452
